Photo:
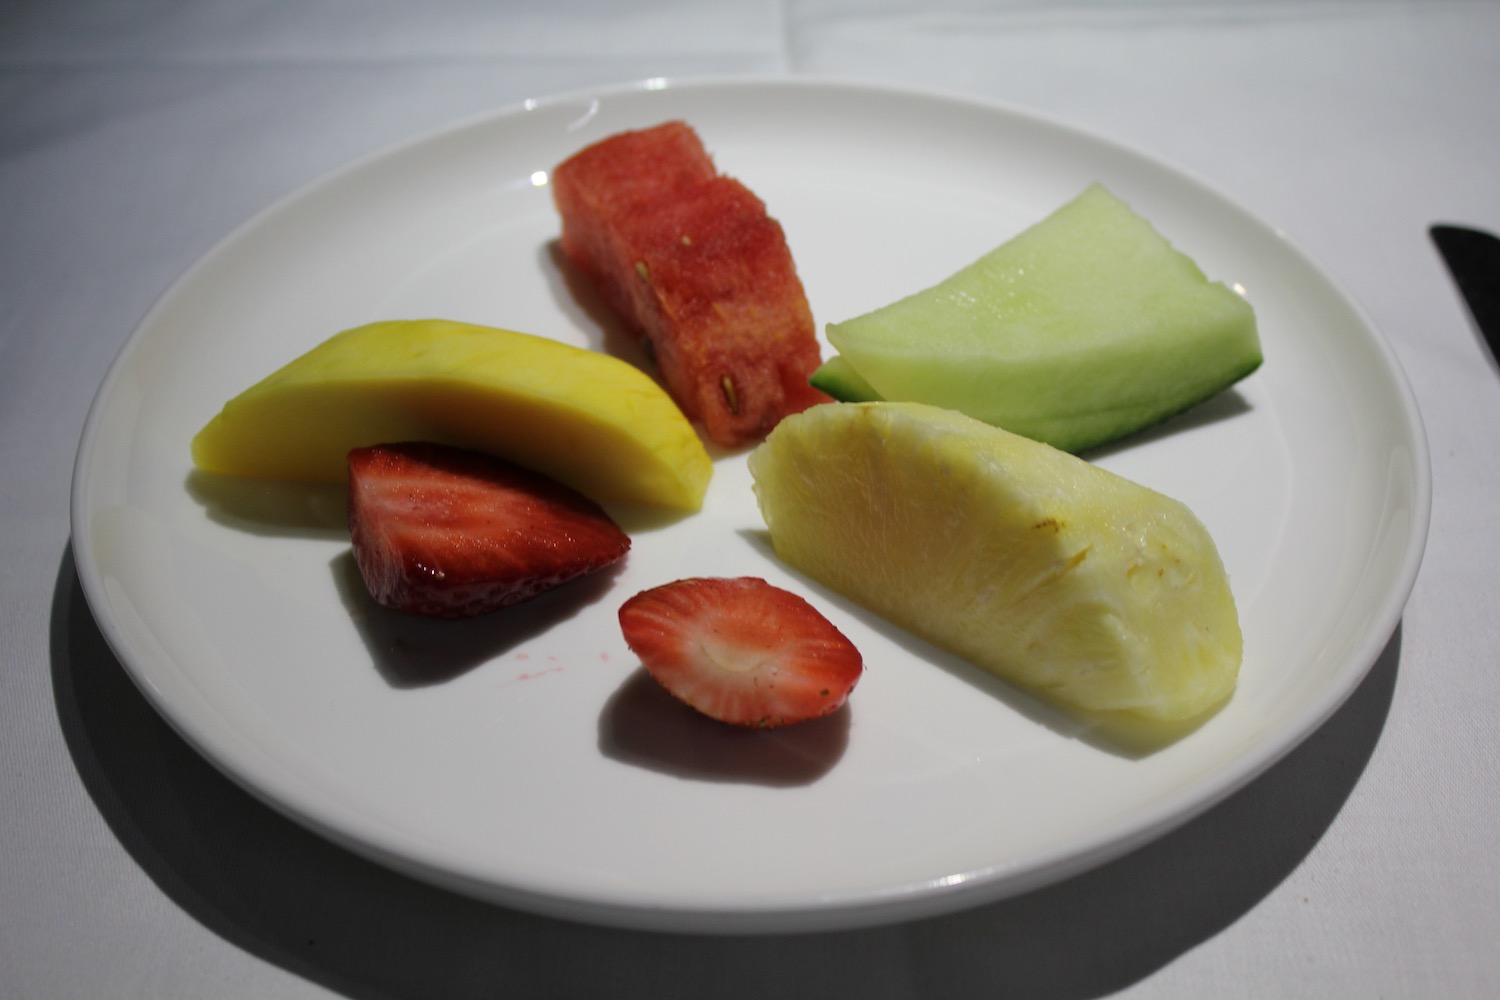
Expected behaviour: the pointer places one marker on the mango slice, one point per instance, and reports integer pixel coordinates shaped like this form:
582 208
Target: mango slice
584 418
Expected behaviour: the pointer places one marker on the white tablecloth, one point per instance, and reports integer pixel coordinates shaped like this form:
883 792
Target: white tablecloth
134 134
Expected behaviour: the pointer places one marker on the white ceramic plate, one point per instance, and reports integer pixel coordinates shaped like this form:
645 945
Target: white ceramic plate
525 758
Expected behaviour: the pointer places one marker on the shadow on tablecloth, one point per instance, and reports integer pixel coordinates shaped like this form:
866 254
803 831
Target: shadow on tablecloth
293 899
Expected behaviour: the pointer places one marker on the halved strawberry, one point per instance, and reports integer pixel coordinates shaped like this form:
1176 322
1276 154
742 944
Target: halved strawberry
741 651
452 533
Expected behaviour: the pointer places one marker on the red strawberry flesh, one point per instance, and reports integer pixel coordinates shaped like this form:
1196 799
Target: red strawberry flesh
447 532
741 650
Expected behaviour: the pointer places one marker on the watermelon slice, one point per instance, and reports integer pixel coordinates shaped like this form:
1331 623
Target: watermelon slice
691 260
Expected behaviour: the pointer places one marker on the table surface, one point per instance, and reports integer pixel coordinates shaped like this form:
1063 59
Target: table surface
134 135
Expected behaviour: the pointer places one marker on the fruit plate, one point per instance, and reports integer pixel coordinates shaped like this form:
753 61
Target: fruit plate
526 758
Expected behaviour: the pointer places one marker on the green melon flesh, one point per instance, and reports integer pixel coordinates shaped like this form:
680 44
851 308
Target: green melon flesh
1085 328
837 378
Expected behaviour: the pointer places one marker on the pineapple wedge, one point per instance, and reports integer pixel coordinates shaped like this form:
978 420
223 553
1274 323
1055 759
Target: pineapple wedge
1054 574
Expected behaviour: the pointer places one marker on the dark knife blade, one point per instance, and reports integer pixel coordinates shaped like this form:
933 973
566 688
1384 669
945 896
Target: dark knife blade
1473 258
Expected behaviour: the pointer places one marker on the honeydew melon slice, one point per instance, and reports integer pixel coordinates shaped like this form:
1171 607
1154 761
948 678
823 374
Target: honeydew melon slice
837 378
1085 328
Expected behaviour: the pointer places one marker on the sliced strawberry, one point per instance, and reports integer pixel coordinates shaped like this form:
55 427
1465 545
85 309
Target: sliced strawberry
741 651
451 533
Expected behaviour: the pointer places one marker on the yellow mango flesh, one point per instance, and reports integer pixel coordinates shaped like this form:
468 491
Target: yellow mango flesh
589 420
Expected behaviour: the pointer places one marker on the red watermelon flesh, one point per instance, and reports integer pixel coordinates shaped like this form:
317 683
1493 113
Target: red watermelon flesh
693 262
